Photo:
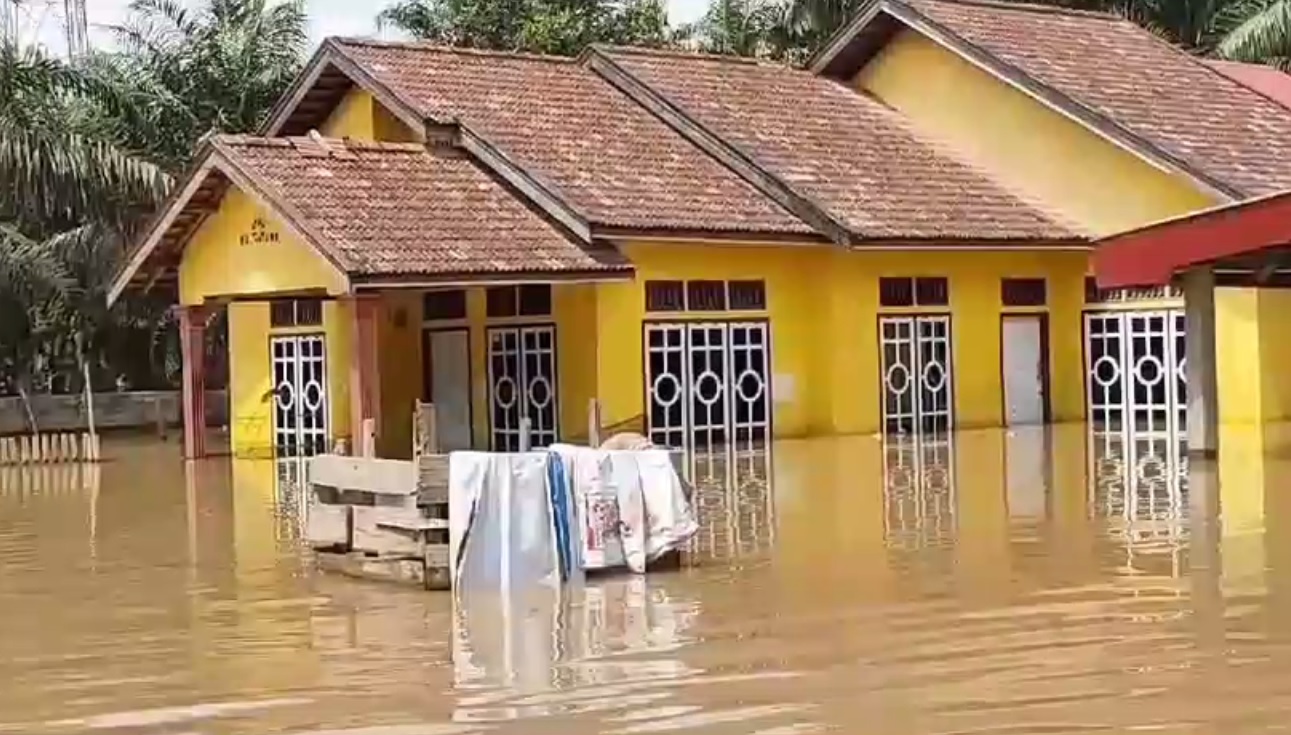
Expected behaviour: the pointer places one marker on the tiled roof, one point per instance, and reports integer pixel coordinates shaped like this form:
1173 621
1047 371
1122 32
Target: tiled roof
1136 80
610 159
856 158
382 209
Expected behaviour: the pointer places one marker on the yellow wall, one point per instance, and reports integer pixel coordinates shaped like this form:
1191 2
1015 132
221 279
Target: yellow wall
251 374
1095 184
1028 147
823 308
352 118
361 117
218 264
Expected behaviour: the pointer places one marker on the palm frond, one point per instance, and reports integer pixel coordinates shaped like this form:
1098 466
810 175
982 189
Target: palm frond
1264 37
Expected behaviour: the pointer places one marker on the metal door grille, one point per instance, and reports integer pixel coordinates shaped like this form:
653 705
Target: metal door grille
300 414
522 384
917 374
709 393
1135 372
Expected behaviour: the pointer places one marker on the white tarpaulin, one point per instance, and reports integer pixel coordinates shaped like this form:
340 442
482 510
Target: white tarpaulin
501 532
630 505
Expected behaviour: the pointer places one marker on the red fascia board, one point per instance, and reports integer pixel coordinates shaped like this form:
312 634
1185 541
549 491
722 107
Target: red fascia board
1152 255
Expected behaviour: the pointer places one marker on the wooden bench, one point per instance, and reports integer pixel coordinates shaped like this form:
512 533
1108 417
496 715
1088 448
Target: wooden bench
376 518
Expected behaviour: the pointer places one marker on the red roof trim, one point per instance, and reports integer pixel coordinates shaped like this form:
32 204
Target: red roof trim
1152 255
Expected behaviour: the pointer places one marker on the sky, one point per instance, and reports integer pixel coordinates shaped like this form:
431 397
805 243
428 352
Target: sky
41 20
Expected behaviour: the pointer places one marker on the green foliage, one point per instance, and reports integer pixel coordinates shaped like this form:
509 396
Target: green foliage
87 152
562 27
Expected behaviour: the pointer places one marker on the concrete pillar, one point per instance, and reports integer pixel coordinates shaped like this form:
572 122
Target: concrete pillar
192 344
365 393
1203 389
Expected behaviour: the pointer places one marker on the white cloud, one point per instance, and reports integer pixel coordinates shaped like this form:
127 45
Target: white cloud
42 20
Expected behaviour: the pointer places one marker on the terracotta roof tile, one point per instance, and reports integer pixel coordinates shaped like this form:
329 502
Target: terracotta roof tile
1154 90
855 157
400 209
609 158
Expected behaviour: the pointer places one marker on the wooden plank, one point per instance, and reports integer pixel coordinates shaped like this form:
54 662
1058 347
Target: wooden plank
328 525
372 530
418 526
436 574
380 569
380 476
425 431
432 479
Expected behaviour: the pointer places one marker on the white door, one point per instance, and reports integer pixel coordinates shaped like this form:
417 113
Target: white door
1023 370
449 354
918 377
522 380
708 385
299 366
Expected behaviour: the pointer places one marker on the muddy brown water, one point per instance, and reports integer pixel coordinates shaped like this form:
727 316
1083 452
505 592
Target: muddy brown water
981 583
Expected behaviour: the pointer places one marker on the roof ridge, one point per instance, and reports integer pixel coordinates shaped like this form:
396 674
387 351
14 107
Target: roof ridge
433 47
1032 7
328 143
678 53
248 141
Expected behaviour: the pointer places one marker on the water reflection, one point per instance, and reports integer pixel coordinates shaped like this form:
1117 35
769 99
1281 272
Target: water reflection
543 652
919 489
1027 581
1140 486
734 501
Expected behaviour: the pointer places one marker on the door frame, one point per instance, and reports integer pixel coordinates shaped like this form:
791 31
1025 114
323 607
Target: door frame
726 320
298 333
519 327
952 412
426 379
1169 312
1046 401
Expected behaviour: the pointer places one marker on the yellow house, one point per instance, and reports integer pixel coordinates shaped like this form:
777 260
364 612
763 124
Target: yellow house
717 250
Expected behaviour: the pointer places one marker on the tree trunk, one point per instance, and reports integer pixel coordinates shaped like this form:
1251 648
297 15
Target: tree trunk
86 385
26 404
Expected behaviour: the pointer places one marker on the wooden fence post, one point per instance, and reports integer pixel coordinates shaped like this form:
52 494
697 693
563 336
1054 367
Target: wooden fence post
425 430
159 417
369 438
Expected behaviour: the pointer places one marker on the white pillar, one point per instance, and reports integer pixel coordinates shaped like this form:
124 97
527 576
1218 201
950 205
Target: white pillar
1203 389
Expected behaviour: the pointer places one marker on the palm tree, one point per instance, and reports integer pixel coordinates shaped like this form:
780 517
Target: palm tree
85 153
185 73
55 167
1262 34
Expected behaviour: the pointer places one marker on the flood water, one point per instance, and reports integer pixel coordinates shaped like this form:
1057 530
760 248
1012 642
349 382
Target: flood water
983 583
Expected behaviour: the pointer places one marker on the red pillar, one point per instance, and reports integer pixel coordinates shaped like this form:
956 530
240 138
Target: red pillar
192 342
365 393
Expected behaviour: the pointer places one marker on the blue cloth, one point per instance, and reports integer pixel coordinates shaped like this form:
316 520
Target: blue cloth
561 504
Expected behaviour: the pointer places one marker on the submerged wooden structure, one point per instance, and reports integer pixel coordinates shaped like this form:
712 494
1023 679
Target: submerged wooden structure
387 519
383 519
60 447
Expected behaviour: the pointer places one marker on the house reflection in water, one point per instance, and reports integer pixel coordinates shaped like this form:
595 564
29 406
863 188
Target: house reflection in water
1139 485
734 501
1135 485
919 489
